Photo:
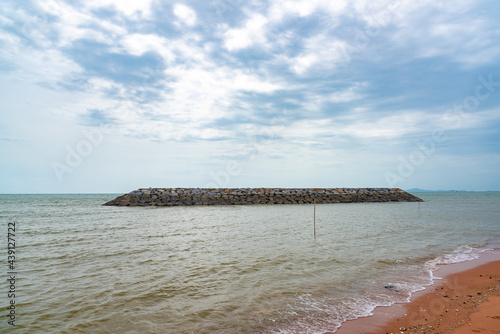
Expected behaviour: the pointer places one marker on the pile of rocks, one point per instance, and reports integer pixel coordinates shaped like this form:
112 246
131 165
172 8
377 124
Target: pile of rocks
254 196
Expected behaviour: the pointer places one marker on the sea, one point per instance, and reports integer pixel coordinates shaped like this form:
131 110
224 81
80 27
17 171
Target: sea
81 267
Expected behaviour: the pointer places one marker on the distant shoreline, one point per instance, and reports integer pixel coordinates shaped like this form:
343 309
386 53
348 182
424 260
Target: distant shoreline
258 196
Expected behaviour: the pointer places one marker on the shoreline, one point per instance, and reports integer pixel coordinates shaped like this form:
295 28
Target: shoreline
464 298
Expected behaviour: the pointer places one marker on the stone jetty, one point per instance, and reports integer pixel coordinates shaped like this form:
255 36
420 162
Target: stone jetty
258 196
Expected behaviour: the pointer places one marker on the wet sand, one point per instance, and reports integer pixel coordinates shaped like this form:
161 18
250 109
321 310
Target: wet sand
467 301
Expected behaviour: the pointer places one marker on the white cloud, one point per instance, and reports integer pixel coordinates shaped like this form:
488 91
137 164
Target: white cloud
470 44
138 44
253 32
347 95
185 14
4 20
388 127
320 102
455 32
202 95
365 124
131 8
280 10
36 66
194 93
320 51
410 122
473 120
256 28
451 31
302 63
187 48
72 24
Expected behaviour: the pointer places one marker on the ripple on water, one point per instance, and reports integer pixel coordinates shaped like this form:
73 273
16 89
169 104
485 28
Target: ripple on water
88 268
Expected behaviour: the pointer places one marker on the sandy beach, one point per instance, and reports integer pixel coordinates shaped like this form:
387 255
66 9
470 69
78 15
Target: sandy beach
462 302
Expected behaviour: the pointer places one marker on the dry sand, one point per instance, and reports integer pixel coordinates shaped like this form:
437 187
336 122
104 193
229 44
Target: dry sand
463 302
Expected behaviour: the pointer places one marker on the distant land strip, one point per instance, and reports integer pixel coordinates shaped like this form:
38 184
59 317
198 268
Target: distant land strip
258 196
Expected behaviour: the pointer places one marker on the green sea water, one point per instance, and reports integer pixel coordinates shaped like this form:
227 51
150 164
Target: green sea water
86 268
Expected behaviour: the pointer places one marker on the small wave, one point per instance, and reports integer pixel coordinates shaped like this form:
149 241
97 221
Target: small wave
324 316
319 316
463 253
403 261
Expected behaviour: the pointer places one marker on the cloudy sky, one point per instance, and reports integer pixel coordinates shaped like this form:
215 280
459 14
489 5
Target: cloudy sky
113 95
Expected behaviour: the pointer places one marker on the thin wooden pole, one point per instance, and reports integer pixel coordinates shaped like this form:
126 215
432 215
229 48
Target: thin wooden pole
315 217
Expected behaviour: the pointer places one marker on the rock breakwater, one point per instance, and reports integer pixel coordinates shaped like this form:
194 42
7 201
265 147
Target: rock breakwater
258 196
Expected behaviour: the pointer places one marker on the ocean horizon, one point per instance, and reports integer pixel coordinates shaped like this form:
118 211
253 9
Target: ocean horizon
83 267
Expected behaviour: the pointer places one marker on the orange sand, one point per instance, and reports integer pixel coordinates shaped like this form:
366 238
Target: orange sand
465 302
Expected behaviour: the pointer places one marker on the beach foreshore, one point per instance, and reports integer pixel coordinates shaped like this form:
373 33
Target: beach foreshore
465 300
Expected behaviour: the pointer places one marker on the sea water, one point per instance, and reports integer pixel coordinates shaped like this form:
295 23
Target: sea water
86 268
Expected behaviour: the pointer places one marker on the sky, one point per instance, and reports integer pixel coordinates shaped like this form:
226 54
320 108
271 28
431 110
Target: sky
107 96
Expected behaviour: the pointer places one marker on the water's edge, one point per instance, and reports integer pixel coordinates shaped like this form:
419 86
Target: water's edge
440 269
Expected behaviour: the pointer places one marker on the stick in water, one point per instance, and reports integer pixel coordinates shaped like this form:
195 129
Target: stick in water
315 217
